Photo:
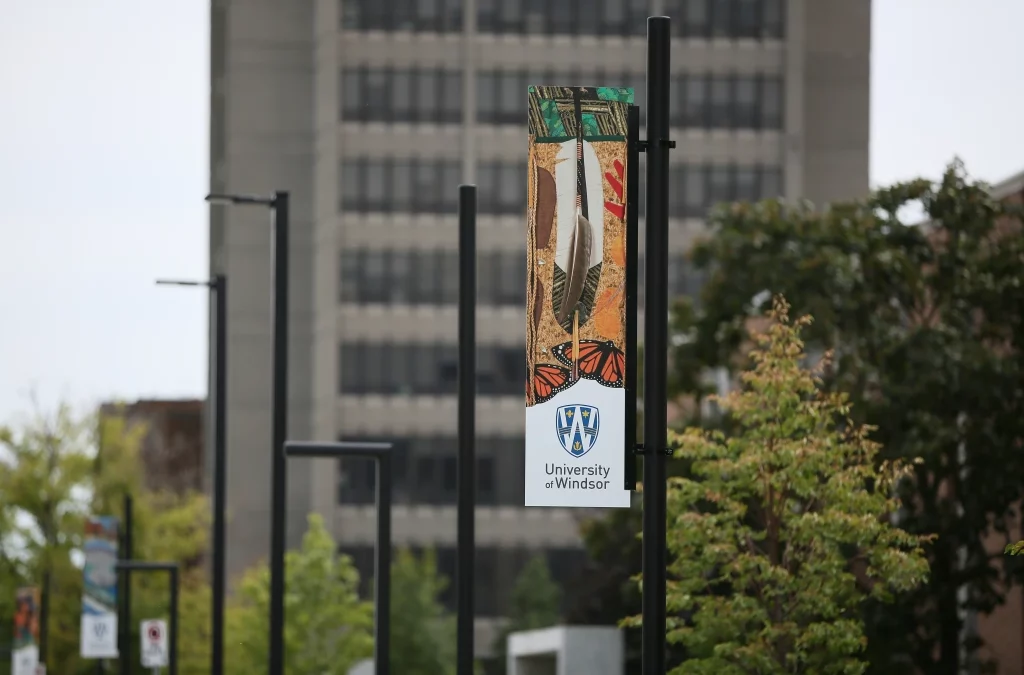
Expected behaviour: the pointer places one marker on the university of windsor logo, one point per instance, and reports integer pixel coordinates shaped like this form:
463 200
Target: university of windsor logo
577 427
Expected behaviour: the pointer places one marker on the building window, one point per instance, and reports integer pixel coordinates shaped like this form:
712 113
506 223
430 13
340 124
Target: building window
565 565
745 103
698 100
502 187
696 188
362 557
425 16
420 95
566 17
501 96
750 19
425 470
400 185
426 369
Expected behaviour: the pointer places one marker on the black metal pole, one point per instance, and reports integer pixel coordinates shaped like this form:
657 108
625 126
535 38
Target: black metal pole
219 287
44 615
172 630
279 476
124 621
381 452
382 571
632 288
656 347
467 429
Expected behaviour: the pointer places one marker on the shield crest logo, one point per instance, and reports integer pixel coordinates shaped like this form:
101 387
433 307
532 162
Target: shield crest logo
576 427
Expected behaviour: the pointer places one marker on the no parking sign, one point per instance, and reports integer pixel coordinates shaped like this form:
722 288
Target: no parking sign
154 643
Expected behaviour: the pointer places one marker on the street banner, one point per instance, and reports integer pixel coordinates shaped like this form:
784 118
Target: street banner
99 596
576 297
154 644
25 650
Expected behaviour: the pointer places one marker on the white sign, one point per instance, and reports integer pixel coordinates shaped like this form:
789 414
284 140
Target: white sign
24 661
99 636
154 643
574 454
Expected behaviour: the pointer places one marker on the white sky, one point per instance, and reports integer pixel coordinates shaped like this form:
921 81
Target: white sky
103 167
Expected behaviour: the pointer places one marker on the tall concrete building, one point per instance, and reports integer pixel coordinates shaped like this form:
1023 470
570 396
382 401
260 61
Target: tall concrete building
371 112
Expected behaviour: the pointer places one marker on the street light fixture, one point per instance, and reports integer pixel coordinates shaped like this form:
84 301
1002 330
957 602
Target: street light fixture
381 454
219 289
278 204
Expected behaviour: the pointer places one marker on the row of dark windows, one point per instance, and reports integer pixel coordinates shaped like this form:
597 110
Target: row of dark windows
425 277
691 18
693 190
427 369
402 186
427 95
495 572
435 96
431 186
431 277
698 100
424 470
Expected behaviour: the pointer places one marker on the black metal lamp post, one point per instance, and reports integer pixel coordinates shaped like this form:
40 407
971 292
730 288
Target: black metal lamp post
464 576
278 204
656 347
219 289
381 453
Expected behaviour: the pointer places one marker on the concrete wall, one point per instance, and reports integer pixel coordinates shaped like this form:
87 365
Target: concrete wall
262 140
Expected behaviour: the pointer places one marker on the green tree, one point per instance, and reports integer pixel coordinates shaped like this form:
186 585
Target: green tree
536 603
422 631
783 530
166 526
328 628
61 467
926 322
44 483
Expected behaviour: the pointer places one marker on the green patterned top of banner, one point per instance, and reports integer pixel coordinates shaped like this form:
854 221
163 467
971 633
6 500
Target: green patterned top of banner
552 114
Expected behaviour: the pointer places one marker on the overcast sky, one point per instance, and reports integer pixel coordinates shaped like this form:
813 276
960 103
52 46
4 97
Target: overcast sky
103 167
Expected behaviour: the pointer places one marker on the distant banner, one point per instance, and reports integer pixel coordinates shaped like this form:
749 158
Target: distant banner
25 651
99 597
576 297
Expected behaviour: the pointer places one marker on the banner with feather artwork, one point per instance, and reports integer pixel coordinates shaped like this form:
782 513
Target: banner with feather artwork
576 296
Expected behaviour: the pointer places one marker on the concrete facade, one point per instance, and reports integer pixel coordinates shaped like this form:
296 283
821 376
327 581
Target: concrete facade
276 96
567 650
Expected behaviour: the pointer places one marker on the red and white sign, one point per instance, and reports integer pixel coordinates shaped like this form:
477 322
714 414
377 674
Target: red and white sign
154 643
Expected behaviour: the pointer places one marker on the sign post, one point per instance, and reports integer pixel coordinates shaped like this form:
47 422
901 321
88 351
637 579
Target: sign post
99 596
25 651
155 648
578 415
581 252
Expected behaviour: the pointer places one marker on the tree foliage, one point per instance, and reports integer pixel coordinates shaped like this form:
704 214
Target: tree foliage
59 468
47 471
166 526
926 322
536 603
422 630
328 627
782 531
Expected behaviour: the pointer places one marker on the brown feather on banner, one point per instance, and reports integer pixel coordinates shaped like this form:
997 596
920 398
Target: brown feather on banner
546 200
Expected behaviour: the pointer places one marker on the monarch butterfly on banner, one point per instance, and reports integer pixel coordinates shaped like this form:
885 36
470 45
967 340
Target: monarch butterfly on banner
548 380
599 360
